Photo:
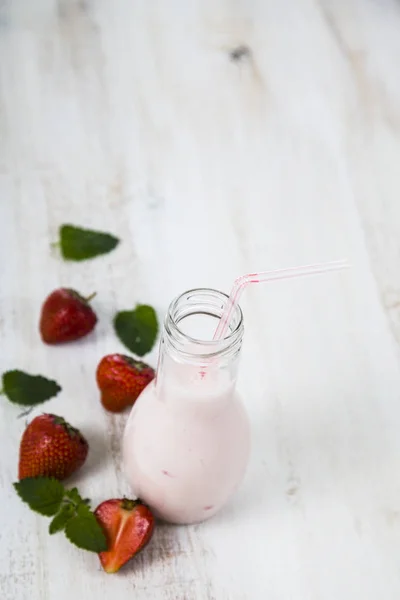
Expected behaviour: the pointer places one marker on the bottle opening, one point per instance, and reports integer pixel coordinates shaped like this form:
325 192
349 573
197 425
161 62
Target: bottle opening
199 326
193 318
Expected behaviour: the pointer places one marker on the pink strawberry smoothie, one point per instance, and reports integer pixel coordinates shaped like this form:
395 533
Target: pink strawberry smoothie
186 444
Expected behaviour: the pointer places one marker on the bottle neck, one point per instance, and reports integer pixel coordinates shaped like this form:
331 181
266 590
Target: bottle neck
193 367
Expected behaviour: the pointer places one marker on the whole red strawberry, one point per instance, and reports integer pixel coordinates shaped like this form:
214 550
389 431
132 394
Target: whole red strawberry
128 526
121 379
66 316
50 447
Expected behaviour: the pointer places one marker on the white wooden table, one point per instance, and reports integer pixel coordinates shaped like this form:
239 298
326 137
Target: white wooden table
214 137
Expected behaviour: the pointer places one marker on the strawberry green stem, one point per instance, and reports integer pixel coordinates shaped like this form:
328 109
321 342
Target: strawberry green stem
89 298
128 504
2 392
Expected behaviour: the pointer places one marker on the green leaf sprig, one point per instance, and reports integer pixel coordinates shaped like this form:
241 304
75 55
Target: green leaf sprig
28 390
137 329
77 243
71 513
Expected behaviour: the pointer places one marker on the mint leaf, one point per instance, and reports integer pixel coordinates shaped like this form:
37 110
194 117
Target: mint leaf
137 329
43 494
74 495
61 518
80 244
84 531
48 497
28 390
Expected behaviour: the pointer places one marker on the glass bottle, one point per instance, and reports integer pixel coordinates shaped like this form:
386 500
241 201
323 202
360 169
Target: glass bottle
187 440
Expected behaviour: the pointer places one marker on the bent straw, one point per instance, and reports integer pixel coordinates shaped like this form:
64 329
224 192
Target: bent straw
264 276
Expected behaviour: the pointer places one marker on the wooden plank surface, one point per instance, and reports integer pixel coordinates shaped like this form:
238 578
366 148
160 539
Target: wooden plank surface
215 138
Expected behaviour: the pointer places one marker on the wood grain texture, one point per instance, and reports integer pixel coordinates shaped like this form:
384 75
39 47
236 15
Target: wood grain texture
214 138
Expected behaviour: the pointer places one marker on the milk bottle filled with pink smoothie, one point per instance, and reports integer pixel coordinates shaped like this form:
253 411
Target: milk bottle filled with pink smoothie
187 440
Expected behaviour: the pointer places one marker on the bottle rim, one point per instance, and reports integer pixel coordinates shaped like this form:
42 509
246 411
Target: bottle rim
202 301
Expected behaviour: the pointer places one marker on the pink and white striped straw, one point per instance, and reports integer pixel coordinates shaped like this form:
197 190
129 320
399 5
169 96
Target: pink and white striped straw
264 276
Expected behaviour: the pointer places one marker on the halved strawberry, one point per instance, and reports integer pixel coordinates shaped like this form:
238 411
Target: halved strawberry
128 526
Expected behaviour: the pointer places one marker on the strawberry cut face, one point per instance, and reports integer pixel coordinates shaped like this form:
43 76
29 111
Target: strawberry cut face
128 526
